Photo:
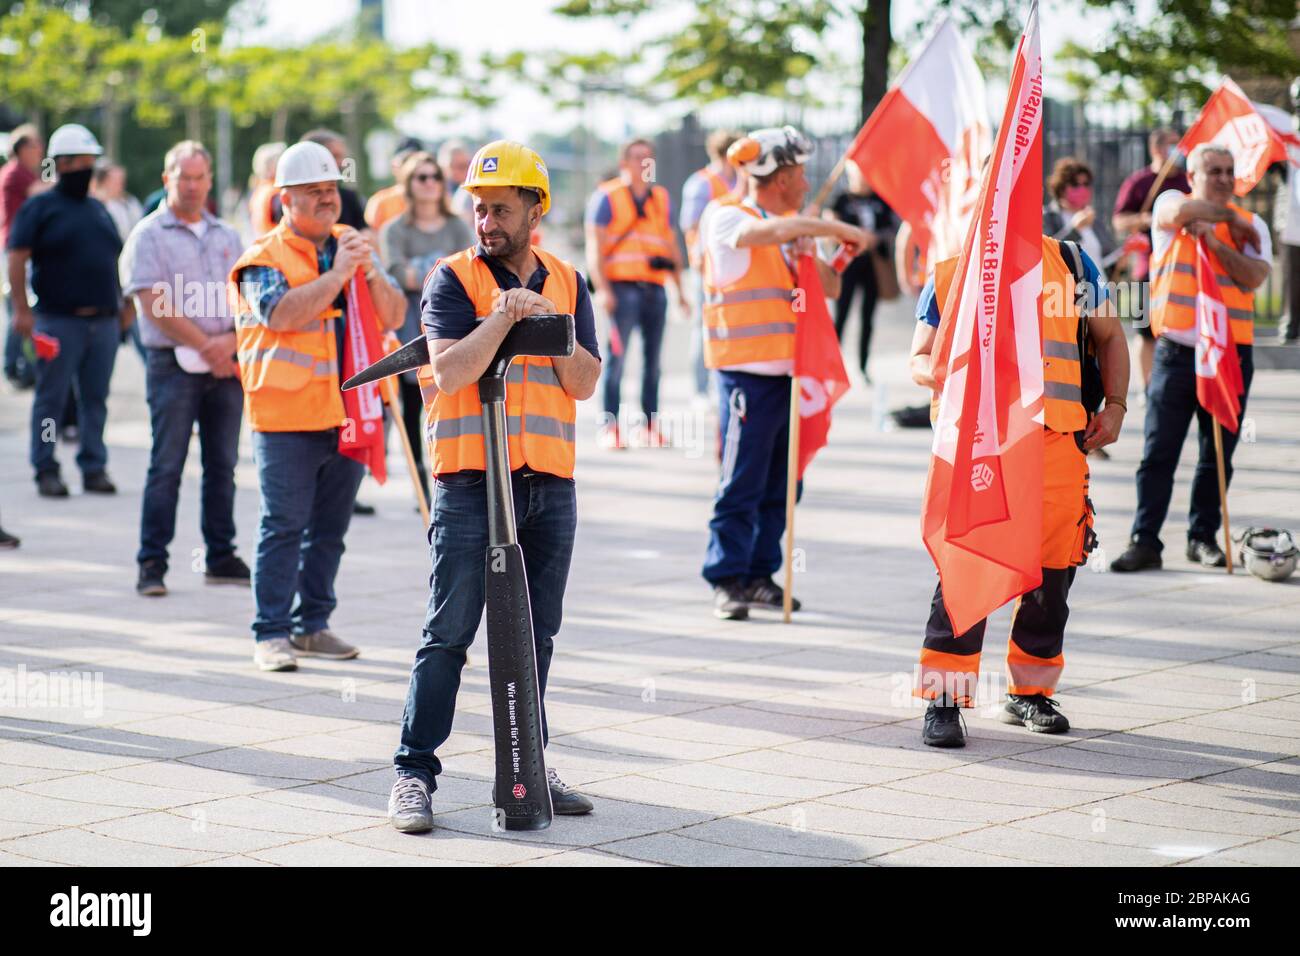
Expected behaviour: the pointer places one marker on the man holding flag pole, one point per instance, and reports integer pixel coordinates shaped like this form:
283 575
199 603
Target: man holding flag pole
756 293
1006 511
1208 257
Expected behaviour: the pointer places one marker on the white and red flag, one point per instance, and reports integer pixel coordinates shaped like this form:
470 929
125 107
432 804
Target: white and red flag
982 516
1255 139
1218 368
818 364
922 147
362 435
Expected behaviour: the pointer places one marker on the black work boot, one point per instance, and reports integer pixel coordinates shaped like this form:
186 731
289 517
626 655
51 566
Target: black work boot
50 485
943 724
1137 557
731 600
97 483
1036 711
1206 553
150 581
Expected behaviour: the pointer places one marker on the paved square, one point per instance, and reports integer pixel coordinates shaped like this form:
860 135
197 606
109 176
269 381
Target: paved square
702 742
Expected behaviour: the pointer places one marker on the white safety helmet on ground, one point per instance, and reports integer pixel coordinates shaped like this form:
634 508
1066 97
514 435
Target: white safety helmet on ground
73 139
1268 553
304 163
762 152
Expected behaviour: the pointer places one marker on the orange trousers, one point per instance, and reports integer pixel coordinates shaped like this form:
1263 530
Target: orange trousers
950 662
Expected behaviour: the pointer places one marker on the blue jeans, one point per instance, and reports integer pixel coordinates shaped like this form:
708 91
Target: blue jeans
644 306
177 400
308 489
546 513
87 353
749 508
1171 404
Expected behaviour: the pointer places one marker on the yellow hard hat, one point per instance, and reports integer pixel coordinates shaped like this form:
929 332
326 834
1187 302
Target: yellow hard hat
507 163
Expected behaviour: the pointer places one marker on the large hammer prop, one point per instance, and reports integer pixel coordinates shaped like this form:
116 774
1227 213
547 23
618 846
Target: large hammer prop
521 793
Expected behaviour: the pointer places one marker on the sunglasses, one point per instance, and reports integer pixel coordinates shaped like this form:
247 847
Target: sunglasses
427 178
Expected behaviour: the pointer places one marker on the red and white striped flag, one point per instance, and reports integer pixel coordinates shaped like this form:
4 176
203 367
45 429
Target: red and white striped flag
1218 368
982 517
922 147
1230 119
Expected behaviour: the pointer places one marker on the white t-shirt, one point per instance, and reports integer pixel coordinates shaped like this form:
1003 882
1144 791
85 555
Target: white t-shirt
720 228
1161 238
199 228
1291 234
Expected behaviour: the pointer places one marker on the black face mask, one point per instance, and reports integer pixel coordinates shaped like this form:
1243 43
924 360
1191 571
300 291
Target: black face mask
75 183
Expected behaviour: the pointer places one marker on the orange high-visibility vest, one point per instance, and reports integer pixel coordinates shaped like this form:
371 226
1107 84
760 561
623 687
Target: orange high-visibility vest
717 189
630 240
1063 409
384 205
751 319
540 415
1173 286
290 378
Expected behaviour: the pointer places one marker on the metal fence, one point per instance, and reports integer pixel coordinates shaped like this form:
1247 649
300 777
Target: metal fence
1111 138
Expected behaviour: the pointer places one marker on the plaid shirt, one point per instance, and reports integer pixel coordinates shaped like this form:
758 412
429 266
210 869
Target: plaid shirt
272 285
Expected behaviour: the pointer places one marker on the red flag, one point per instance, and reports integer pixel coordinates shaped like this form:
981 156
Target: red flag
818 364
983 511
1219 384
1230 119
937 107
362 436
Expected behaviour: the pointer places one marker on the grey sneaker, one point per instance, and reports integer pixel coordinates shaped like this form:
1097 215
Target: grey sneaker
408 805
566 801
275 654
323 644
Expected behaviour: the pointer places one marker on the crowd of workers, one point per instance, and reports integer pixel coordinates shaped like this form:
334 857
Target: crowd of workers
266 330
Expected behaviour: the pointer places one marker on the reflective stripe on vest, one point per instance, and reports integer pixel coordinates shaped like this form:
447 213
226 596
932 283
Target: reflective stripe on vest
1063 409
540 415
1174 287
290 378
751 319
632 239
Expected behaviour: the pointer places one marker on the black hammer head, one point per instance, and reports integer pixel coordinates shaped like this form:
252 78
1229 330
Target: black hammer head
548 336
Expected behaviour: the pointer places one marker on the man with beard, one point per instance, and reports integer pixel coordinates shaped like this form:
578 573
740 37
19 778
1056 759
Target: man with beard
470 302
73 246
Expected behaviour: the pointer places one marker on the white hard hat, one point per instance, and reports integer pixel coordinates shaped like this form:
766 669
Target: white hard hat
73 139
764 151
305 163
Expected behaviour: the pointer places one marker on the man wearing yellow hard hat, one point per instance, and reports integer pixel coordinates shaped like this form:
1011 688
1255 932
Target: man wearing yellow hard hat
471 300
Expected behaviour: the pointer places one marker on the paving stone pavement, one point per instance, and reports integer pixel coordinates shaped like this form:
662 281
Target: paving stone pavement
702 742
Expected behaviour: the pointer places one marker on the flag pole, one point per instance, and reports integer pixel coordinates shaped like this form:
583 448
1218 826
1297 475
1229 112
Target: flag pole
387 388
830 182
791 493
1223 492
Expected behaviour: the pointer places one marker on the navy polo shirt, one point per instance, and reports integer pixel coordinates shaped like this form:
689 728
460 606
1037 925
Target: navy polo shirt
446 311
74 246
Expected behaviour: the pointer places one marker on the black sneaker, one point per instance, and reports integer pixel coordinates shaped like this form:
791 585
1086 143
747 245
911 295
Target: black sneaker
764 592
565 801
97 483
731 600
1137 557
7 541
1206 553
50 485
150 581
943 725
361 508
1036 711
228 570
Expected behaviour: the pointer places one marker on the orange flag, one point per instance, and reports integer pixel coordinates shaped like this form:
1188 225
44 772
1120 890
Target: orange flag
818 364
1230 119
983 511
